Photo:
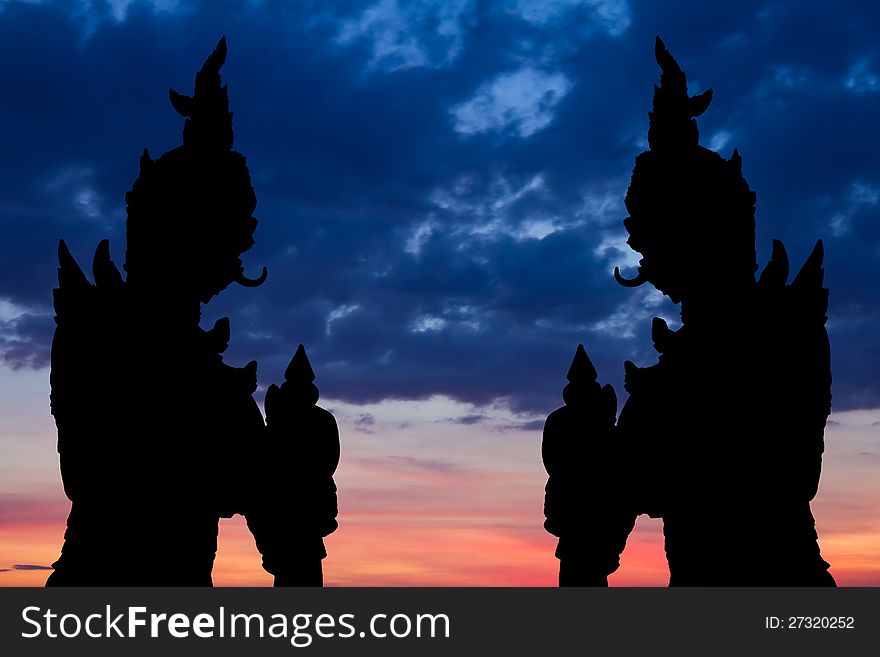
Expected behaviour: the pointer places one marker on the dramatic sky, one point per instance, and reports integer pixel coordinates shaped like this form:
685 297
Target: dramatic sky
440 190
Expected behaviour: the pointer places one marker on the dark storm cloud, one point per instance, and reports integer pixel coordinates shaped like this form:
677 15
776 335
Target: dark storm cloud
25 340
441 184
467 419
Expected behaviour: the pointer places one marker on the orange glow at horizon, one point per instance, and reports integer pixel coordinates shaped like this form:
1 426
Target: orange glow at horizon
377 553
420 506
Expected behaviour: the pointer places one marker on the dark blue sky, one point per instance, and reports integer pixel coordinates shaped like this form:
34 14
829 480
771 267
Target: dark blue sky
441 184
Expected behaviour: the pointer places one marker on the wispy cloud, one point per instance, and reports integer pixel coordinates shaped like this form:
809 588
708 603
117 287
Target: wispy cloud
862 78
403 34
520 102
859 196
612 16
25 334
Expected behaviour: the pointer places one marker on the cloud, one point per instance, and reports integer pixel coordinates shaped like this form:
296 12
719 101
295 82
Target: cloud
861 78
339 313
613 16
441 185
364 422
521 102
719 140
468 419
75 184
479 209
408 34
366 419
90 14
531 425
860 196
25 335
414 467
30 566
120 8
638 309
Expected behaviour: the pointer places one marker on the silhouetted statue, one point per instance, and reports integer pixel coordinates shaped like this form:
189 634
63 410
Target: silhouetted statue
581 505
723 437
158 437
302 453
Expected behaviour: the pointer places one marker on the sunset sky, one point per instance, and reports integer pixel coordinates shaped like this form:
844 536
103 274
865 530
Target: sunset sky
440 191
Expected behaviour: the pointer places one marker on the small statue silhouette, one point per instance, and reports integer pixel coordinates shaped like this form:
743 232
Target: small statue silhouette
302 453
158 437
581 505
723 437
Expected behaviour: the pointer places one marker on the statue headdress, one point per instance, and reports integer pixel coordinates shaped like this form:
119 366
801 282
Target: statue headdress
190 211
692 214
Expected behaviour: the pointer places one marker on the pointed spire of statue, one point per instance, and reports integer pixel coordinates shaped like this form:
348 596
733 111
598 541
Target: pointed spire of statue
69 272
675 187
582 369
105 272
300 369
208 119
672 124
812 275
195 195
775 274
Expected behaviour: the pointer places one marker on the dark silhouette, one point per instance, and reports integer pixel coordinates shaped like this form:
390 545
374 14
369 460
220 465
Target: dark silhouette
302 452
582 505
158 437
723 437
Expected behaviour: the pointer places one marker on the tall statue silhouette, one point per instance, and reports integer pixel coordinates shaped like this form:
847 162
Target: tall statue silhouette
158 437
722 438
